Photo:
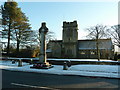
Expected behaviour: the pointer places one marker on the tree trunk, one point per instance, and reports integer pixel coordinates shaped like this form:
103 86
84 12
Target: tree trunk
8 45
97 44
18 44
98 52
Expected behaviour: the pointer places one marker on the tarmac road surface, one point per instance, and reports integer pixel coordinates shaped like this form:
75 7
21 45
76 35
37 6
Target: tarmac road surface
15 79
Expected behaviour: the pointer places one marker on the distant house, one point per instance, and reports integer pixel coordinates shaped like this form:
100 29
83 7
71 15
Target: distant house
71 47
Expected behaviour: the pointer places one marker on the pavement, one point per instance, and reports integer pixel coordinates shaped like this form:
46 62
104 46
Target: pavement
104 71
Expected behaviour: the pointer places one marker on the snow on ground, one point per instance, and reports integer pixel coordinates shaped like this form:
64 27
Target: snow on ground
102 60
84 70
9 63
80 59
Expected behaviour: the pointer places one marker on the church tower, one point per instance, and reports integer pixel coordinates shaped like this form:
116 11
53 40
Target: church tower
70 39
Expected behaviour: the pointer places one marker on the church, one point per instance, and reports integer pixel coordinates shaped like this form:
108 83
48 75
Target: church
71 47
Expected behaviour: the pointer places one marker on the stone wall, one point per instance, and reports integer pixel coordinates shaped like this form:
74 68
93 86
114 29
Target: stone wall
55 47
92 54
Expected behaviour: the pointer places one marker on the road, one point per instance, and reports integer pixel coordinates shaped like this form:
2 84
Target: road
14 79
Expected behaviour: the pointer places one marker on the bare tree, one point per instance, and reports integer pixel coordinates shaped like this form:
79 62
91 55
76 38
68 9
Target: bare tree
97 32
35 37
114 32
50 36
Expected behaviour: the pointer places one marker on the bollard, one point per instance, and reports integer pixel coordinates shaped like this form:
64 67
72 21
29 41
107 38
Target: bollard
31 61
65 67
20 63
69 64
13 61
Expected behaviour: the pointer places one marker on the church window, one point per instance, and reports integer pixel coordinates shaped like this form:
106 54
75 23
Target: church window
92 52
69 39
82 52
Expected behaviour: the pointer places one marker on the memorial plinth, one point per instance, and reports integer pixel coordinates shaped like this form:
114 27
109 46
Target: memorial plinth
42 64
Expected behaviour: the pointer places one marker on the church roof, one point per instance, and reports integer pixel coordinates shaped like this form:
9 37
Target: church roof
91 44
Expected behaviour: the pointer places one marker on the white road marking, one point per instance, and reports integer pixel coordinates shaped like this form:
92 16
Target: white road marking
24 85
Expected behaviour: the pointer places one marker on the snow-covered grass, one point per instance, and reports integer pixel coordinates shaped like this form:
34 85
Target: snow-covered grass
80 59
9 63
96 68
105 60
84 70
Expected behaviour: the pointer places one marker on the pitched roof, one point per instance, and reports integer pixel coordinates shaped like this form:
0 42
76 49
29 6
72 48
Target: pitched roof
91 44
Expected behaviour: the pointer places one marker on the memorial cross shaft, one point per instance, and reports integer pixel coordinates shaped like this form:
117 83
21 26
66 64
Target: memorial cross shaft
42 32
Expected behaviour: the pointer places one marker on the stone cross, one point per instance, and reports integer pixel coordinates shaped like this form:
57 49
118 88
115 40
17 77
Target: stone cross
42 32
